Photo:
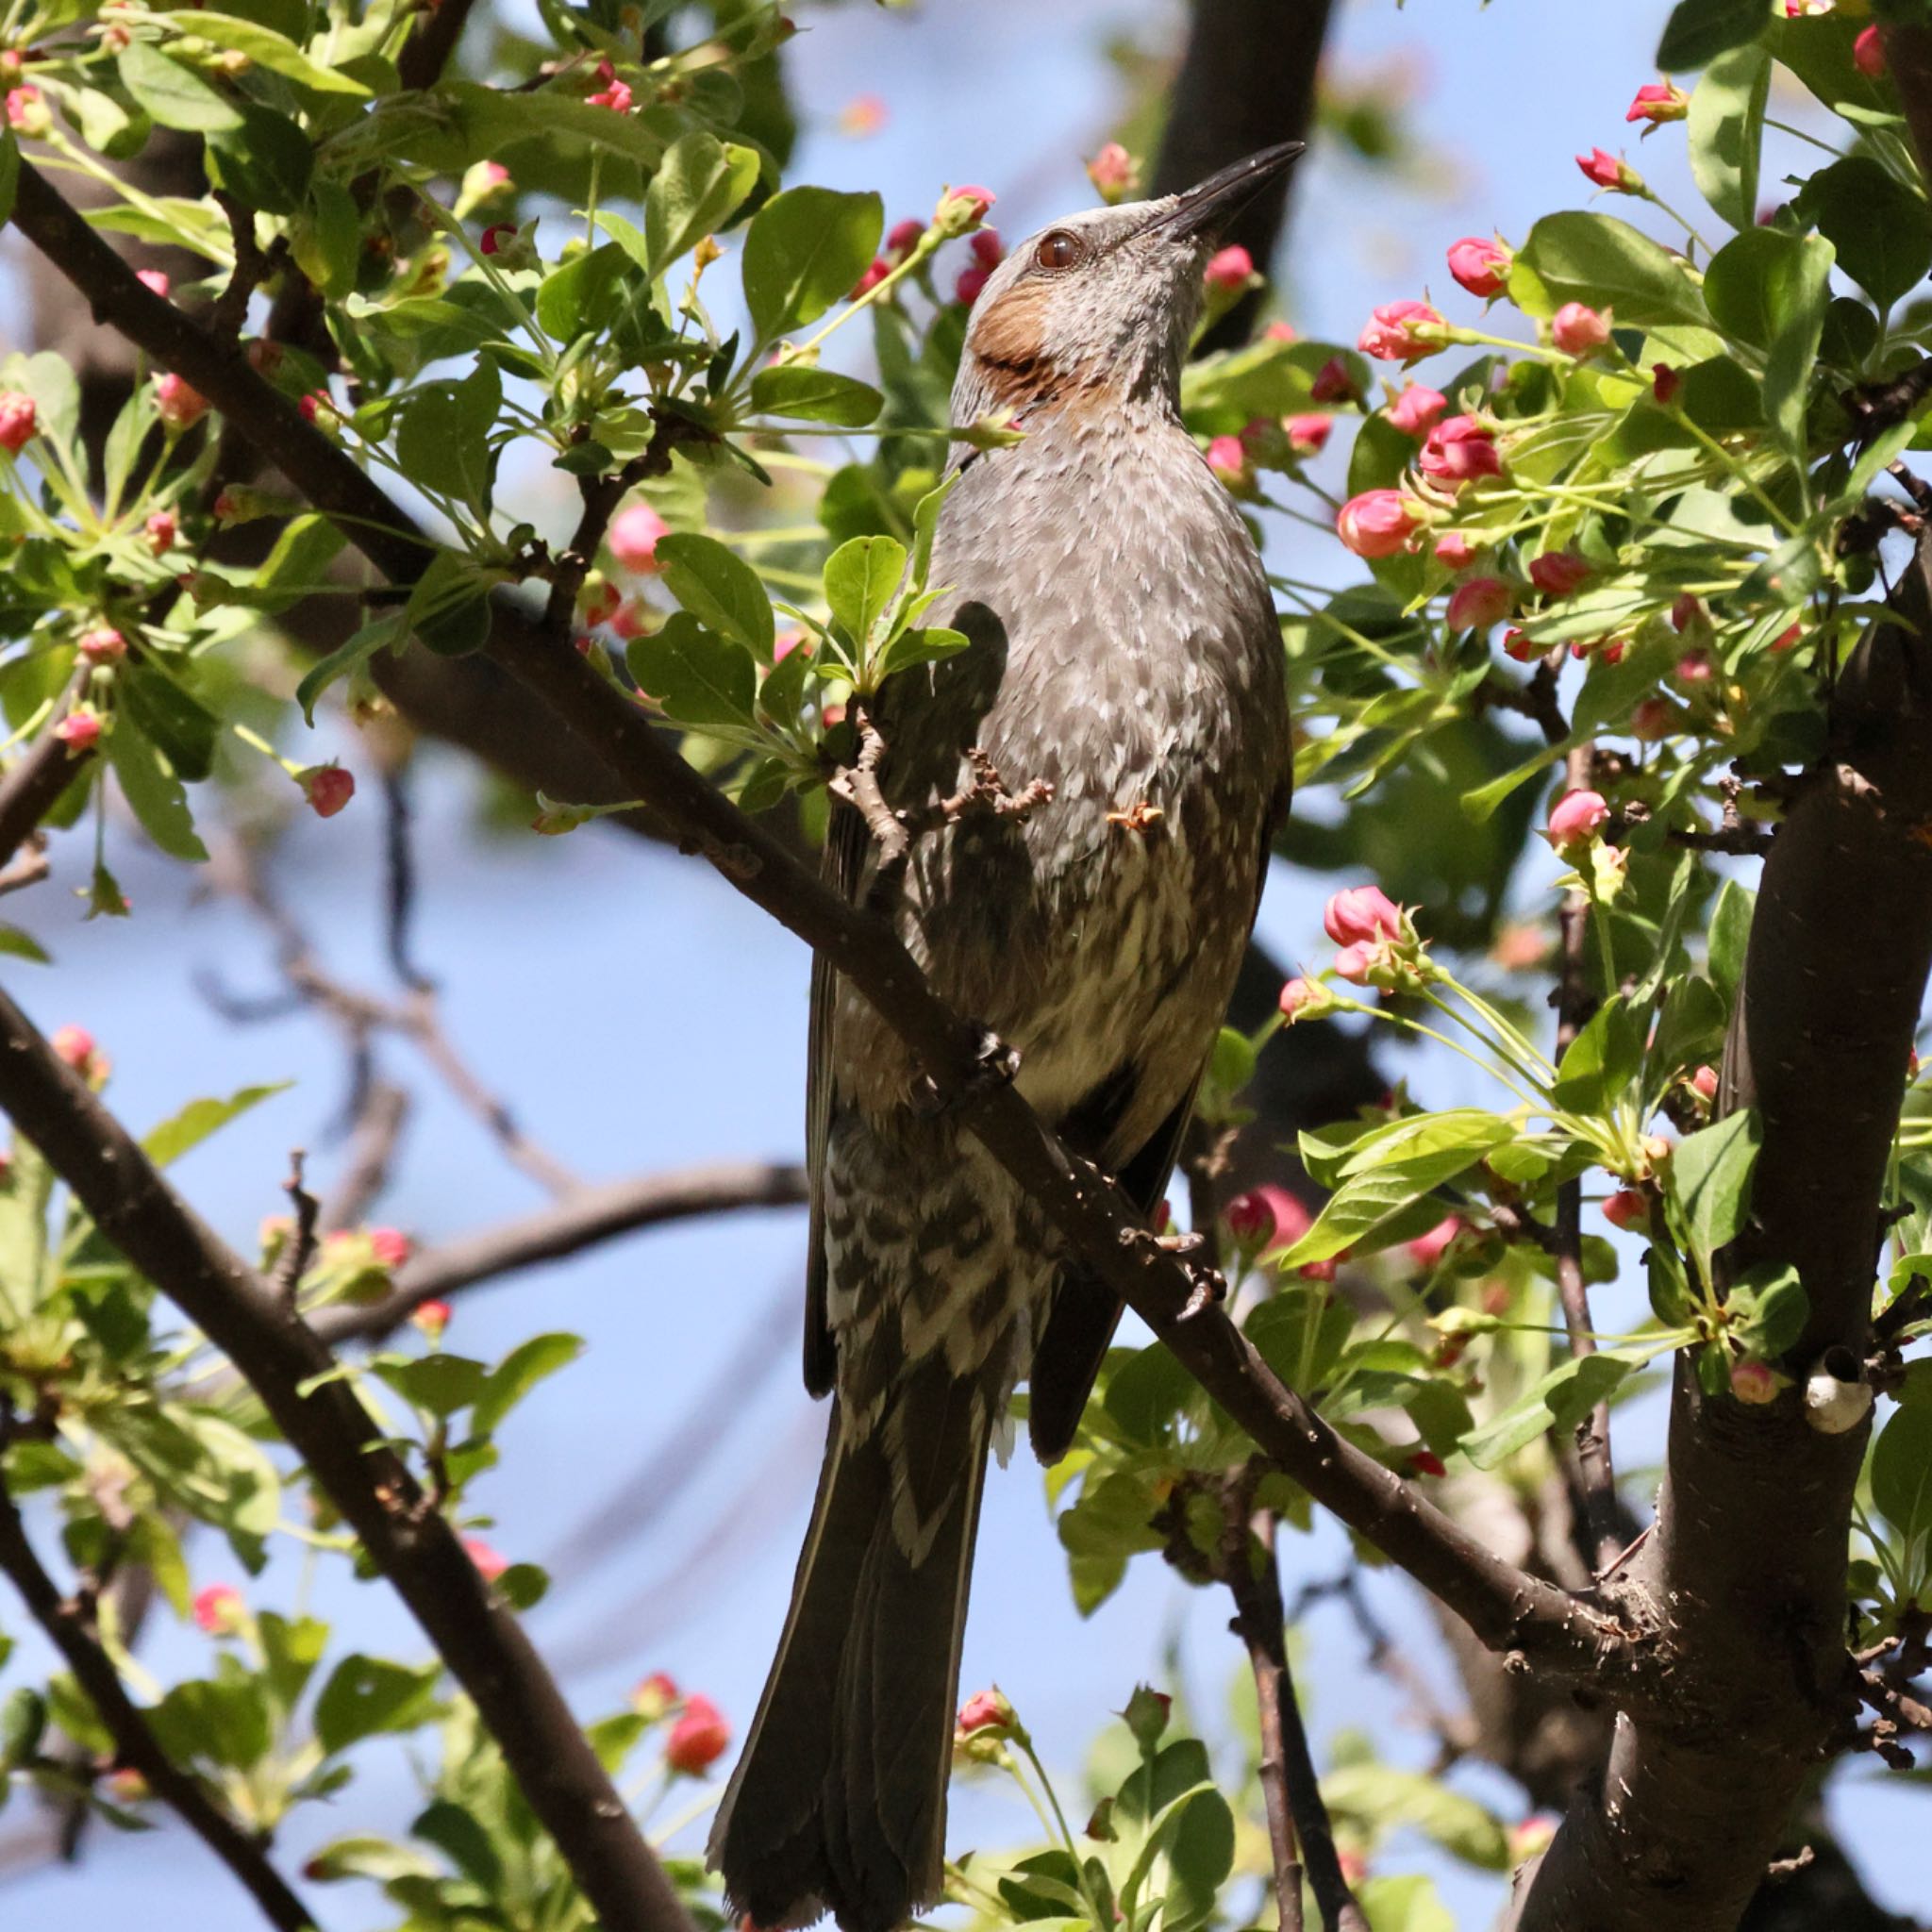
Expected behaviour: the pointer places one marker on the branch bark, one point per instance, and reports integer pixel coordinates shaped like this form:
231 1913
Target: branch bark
33 784
1506 1609
69 1626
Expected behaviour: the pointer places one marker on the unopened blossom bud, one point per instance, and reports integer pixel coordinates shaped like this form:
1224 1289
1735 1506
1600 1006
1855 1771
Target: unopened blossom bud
986 1710
179 403
153 280
1656 102
74 1046
162 529
1576 817
614 94
1755 1383
432 1318
1162 1217
26 113
972 282
1307 435
1303 999
1229 270
1279 331
1788 639
1481 267
328 789
79 731
1481 603
1517 644
988 251
499 237
1333 382
1426 1462
1354 963
869 280
218 1609
1417 410
1695 666
491 1563
863 114
1578 329
1664 384
18 421
1228 457
390 1245
1146 1716
1403 332
102 646
1378 523
483 180
1559 573
961 209
1317 1270
699 1739
634 536
1425 1250
1292 1218
1867 53
1629 1208
263 356
903 239
1704 1083
1114 173
1656 1149
1460 450
599 600
1653 719
1455 550
1606 170
1362 915
655 1696
1251 1221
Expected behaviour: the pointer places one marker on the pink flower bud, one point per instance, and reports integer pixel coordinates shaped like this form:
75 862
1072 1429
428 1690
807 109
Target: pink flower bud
1558 573
328 789
634 535
1867 53
1664 384
1455 550
432 1318
903 240
1606 170
498 237
1162 1217
390 1245
1525 650
1362 915
1353 963
79 731
1291 1219
218 1609
1250 1220
317 407
491 1563
104 646
655 1696
1629 1208
179 403
1695 666
1114 173
1652 720
1333 383
18 421
1425 1250
1756 1383
1403 332
1578 329
1317 1270
26 112
153 280
1704 1083
1417 410
1297 995
1481 267
969 286
1480 604
1656 102
1788 639
161 530
1307 435
988 249
961 209
1532 1838
614 94
1426 1462
1280 332
1459 451
699 1739
1577 817
1229 270
1378 523
986 1710
1228 457
1685 612
76 1046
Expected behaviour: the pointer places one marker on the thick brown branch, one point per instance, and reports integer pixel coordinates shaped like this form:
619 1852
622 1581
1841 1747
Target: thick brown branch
69 1625
1506 1609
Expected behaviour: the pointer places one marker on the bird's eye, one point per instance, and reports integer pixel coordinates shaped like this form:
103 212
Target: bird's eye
1058 249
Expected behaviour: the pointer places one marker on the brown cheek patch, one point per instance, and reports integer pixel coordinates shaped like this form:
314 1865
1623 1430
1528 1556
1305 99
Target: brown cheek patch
1009 342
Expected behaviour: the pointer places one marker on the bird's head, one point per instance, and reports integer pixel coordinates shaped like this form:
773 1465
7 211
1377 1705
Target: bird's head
1098 307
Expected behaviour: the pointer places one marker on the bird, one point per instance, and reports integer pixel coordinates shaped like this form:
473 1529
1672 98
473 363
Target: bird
1125 663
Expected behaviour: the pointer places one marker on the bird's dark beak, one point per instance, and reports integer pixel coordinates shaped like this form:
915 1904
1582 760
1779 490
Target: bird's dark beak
1207 208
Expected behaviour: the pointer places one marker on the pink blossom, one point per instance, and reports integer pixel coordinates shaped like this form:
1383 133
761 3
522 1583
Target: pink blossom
988 250
986 1710
161 530
76 1046
1685 612
1333 383
79 731
432 1318
179 403
1378 523
1454 549
26 112
633 537
102 646
1291 1219
1417 410
328 789
1297 995
1402 332
491 1563
1867 53
498 237
1629 1208
1279 332
1459 451
1788 639
1575 817
614 94
1308 434
699 1739
1704 1083
1525 650
1578 329
1606 170
153 280
861 115
1656 102
1652 720
1481 267
1425 1250
390 1245
903 239
1664 384
1480 604
1317 1270
1426 1462
1250 1220
18 421
961 209
1229 270
1353 963
1114 173
1558 573
1695 666
1362 915
1757 1382
656 1695
218 1609
971 286
1228 457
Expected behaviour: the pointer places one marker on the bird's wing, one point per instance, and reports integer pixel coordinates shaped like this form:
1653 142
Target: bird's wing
843 869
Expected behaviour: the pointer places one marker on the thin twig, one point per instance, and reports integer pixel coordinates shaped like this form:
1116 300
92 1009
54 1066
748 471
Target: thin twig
70 1628
399 861
298 1250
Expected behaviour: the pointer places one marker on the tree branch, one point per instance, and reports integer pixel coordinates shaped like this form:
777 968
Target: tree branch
347 1456
33 784
1508 1609
69 1624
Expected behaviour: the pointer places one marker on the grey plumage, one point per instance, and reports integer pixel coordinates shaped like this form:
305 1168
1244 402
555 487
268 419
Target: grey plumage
1124 649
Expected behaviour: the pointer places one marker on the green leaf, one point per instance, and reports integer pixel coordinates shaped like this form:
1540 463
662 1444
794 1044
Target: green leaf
438 1384
467 1840
155 794
442 436
173 96
1406 1902
1383 1798
351 652
266 48
584 295
921 644
1602 1061
16 945
196 1122
1729 936
1690 1030
522 1586
1750 282
862 578
181 726
267 162
698 676
1710 1182
1793 359
365 1695
1725 129
1902 1465
718 588
520 1371
1559 1401
1575 257
805 250
10 172
1769 1308
1699 30
812 394
1881 229
699 186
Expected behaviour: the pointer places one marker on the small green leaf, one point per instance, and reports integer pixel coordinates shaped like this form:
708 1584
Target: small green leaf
10 172
1699 30
699 186
921 644
805 250
1602 1061
1769 1308
196 1122
16 945
1881 229
175 95
811 394
354 650
267 162
266 48
1726 128
1559 1401
1710 1182
182 727
1793 363
365 1695
155 794
862 578
442 436
438 1384
1577 257
1730 936
1902 1465
718 588
698 676
520 1371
